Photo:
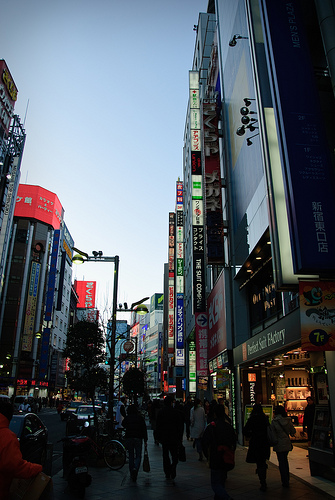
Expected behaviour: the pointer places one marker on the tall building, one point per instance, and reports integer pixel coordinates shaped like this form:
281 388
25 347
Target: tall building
259 140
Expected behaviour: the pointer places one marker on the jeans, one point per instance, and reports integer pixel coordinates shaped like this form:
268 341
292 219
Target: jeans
283 467
134 447
170 466
218 480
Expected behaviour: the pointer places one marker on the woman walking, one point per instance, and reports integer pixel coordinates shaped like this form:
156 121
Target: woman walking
283 428
198 424
136 432
259 449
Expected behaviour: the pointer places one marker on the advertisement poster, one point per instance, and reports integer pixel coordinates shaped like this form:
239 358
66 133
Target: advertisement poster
317 315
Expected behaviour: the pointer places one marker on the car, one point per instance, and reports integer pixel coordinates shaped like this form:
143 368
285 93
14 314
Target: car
18 400
33 437
68 410
86 412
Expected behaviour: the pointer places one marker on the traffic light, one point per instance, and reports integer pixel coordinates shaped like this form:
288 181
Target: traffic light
107 361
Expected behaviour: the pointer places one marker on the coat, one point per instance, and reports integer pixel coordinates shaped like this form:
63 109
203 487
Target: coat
198 422
11 462
218 433
135 427
255 429
283 428
169 426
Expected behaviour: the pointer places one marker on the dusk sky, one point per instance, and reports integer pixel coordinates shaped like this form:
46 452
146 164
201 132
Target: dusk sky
103 93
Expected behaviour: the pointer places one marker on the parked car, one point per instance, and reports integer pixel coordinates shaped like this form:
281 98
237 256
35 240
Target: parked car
68 410
20 399
85 412
33 436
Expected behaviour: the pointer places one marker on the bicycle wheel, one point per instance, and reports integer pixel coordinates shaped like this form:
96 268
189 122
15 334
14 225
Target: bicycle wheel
114 454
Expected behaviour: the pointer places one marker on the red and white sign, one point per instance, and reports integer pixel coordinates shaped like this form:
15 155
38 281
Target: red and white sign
86 293
128 346
217 336
38 203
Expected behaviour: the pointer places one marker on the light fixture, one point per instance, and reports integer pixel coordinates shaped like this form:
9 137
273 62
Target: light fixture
78 259
97 254
236 37
246 111
8 356
38 335
141 309
247 100
249 141
240 131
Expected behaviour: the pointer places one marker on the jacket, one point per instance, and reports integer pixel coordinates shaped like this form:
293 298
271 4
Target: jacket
135 427
283 428
169 426
255 429
11 462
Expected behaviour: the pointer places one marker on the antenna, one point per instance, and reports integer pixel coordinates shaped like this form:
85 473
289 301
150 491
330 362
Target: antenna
25 115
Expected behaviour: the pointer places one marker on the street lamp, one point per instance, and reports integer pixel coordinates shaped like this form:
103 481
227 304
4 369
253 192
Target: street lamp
80 258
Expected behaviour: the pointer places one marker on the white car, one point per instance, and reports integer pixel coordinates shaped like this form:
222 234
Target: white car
85 412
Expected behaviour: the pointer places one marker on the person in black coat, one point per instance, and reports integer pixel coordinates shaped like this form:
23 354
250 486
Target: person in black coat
218 440
259 450
136 433
169 431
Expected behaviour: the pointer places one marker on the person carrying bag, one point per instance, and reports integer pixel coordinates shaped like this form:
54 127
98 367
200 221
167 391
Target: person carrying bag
283 427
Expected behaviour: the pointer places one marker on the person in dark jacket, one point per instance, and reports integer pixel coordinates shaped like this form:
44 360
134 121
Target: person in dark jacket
136 433
219 433
259 450
169 429
187 410
283 427
309 418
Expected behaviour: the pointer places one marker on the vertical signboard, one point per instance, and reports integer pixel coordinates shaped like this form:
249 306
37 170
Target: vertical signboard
307 169
29 324
217 336
317 318
171 290
86 294
8 97
179 252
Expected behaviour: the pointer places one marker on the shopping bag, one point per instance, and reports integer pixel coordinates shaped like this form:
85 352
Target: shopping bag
228 456
146 463
37 488
182 453
271 435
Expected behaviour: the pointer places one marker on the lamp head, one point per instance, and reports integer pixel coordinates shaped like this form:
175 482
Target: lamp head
78 259
240 131
141 309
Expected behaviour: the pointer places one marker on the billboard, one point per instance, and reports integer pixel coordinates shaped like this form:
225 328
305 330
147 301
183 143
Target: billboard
317 315
35 202
86 293
8 96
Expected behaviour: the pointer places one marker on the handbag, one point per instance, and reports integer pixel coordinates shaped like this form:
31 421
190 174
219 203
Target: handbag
182 453
146 463
271 436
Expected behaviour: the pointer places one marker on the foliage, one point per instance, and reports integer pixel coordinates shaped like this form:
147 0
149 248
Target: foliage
85 348
133 383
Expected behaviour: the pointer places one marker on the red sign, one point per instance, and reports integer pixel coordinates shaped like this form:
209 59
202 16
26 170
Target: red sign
38 203
128 346
8 96
86 294
217 335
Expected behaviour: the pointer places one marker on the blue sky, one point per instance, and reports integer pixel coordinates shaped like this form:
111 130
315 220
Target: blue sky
103 90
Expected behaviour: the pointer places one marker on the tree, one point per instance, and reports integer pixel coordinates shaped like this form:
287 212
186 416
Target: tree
85 348
133 383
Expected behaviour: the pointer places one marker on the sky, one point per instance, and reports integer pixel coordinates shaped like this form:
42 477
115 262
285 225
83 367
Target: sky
103 93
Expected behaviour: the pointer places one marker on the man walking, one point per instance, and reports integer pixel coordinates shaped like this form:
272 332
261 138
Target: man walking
169 429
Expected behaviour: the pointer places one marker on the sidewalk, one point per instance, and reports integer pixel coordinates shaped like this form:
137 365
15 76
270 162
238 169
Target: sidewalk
193 480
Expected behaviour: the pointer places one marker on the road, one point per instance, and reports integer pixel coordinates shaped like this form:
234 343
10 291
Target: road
56 431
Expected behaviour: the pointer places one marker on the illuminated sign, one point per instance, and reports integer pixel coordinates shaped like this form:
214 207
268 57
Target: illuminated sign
28 332
34 202
86 293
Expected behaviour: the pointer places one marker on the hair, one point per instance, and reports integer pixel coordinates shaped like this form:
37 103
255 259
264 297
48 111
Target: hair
310 397
6 408
280 410
257 409
219 412
197 402
132 410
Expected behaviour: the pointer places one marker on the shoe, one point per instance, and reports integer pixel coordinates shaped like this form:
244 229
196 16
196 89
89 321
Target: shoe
167 476
173 473
263 487
133 475
286 485
193 444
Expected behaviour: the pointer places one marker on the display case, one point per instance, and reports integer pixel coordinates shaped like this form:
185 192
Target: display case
321 452
295 407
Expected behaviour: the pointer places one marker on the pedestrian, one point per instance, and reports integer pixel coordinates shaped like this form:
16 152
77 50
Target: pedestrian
211 411
219 434
120 412
169 429
156 406
309 419
25 406
198 424
136 433
259 450
187 412
12 464
283 428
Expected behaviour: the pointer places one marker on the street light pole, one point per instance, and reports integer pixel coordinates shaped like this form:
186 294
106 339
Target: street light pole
99 257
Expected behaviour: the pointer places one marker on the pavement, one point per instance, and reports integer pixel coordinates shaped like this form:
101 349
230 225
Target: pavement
193 480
